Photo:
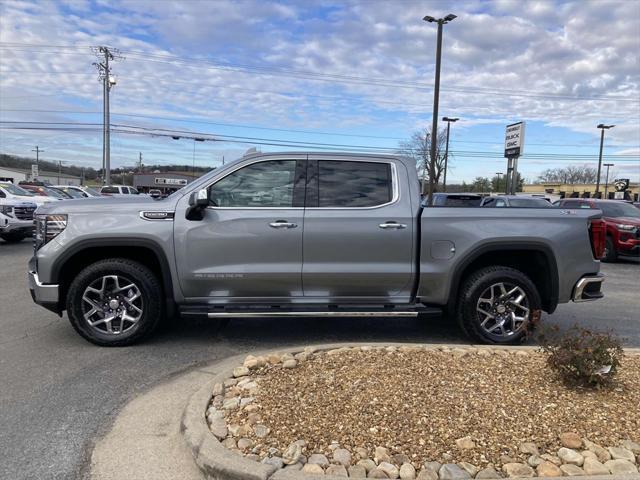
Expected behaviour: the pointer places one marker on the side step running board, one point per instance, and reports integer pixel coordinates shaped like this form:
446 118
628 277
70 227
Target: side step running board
213 311
389 313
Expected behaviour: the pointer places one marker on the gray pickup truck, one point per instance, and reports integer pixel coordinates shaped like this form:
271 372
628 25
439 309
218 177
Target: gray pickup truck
309 234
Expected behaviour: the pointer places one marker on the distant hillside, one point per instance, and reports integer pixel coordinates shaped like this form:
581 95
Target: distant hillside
91 173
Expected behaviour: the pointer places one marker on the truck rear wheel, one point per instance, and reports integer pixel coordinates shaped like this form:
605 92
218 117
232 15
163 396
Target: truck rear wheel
498 305
115 302
610 254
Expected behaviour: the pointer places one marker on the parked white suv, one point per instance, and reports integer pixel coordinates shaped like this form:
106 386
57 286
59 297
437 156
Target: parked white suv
9 191
118 190
16 220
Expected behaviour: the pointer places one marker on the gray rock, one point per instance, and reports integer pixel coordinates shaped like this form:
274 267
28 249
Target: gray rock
367 464
219 428
602 454
245 443
551 458
313 469
469 467
570 440
401 458
231 403
451 471
567 455
465 443
296 467
261 431
381 454
230 443
407 472
518 470
377 473
389 468
342 456
433 466
336 471
318 459
594 467
631 445
292 454
230 382
535 460
291 363
253 456
218 389
357 471
620 453
246 401
275 461
488 473
427 474
548 469
240 372
570 470
361 452
530 448
620 467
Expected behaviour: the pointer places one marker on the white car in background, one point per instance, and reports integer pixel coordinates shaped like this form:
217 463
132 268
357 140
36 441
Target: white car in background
78 191
118 190
9 191
16 220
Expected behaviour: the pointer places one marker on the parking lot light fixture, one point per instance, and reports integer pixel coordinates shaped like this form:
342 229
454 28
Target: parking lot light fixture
498 186
602 128
436 98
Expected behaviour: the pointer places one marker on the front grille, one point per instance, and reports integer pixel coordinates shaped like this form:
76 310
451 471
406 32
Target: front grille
24 213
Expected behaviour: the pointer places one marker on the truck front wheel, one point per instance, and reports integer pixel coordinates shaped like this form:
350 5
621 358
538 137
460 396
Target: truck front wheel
115 302
498 305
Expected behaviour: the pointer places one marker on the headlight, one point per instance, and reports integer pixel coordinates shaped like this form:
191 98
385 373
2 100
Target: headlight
7 210
625 226
48 227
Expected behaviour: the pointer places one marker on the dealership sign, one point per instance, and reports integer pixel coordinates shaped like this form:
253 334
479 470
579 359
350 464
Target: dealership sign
170 181
514 140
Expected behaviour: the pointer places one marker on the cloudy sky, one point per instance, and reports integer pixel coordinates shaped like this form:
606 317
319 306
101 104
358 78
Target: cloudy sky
322 74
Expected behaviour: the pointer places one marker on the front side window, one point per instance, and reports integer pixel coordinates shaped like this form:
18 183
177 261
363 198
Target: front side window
263 184
344 184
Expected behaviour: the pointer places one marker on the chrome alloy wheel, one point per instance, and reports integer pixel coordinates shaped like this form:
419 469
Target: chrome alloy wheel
503 309
112 304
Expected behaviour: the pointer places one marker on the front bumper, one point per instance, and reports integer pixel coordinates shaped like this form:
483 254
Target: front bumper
588 288
46 295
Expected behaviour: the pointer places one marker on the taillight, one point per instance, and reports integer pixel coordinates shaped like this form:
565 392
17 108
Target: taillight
598 236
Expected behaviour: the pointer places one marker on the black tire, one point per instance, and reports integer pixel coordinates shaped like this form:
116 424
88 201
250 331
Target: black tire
480 281
610 251
13 237
151 295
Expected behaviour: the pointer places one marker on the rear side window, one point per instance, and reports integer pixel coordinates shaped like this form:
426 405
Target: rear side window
109 190
343 184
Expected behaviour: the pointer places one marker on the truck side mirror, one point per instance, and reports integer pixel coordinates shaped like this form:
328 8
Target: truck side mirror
198 201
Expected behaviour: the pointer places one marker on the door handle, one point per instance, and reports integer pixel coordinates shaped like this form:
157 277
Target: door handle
395 225
282 224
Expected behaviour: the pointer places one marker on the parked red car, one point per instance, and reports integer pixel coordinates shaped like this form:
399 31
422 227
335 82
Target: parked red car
622 221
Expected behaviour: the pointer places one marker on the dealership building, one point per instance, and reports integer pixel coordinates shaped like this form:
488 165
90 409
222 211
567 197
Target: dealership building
17 175
613 190
166 182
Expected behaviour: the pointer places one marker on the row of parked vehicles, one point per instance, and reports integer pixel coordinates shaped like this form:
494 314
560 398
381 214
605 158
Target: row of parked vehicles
19 202
621 218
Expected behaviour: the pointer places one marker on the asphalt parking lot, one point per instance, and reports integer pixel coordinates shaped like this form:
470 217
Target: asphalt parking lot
59 393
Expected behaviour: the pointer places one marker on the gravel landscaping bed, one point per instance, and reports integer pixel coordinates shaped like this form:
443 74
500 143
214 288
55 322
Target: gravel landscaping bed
420 412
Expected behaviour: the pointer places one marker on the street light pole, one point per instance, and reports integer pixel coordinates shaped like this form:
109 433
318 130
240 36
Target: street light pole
602 128
436 98
606 182
498 186
446 151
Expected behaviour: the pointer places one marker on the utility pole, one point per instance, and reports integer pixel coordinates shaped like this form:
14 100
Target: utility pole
108 82
602 128
446 152
498 186
436 99
140 162
606 182
38 152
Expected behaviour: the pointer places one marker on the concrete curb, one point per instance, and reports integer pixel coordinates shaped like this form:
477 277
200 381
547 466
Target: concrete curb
218 463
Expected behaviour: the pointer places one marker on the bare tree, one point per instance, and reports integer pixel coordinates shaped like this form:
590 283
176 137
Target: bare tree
418 148
570 175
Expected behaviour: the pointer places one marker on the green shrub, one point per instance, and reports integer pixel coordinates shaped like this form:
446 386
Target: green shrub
582 357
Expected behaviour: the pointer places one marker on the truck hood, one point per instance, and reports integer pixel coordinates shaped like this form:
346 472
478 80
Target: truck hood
124 203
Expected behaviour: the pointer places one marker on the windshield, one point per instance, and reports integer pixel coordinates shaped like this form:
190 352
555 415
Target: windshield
54 193
15 190
529 203
91 191
616 210
72 192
